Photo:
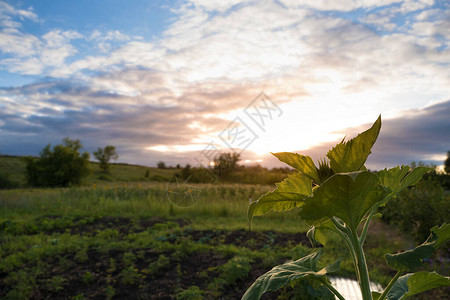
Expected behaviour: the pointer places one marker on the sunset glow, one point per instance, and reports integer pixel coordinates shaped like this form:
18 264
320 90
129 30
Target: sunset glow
163 80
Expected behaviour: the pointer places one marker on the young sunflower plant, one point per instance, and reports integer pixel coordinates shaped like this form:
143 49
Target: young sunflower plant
342 196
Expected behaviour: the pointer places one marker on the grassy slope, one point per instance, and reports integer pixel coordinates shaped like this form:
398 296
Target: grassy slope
14 168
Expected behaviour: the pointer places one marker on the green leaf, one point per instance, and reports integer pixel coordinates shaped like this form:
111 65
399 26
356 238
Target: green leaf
415 283
391 178
304 164
289 194
397 179
348 196
284 274
412 259
350 156
320 233
414 177
375 295
440 235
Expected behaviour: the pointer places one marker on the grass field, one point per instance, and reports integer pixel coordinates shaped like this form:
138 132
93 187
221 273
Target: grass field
134 239
140 241
14 168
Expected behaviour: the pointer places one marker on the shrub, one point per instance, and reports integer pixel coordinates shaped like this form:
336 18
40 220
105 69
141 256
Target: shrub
416 210
6 183
63 165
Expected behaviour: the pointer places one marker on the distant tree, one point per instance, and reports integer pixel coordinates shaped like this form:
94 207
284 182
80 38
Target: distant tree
161 165
186 171
105 155
178 166
63 165
447 163
5 182
226 163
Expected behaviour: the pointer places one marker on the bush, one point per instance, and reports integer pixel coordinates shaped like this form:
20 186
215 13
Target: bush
62 166
6 183
415 210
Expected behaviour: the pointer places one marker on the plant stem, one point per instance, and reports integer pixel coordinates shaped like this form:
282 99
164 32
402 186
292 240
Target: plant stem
362 238
361 267
338 224
345 234
332 289
390 285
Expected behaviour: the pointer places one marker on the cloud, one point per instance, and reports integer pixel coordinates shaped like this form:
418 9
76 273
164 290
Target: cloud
8 13
420 135
416 135
184 87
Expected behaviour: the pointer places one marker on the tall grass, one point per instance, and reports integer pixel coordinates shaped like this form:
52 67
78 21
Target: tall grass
206 205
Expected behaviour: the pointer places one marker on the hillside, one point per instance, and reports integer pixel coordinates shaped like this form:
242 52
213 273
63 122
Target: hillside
14 168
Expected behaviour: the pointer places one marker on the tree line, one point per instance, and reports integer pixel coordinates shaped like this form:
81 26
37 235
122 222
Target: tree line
66 165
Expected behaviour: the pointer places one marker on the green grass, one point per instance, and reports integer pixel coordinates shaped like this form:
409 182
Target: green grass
49 237
212 206
14 168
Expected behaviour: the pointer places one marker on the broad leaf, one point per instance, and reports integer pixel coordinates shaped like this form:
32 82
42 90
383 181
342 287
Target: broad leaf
289 194
412 259
414 177
347 196
397 179
412 284
284 274
304 164
319 234
350 156
440 235
391 178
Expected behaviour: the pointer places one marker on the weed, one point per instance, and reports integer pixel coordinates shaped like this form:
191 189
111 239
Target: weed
129 275
109 292
128 259
87 277
55 284
192 293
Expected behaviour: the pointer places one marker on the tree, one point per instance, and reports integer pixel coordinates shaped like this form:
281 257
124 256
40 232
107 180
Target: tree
105 155
225 163
63 165
161 165
447 163
186 171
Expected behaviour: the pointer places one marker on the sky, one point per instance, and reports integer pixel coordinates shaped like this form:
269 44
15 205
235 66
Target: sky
182 81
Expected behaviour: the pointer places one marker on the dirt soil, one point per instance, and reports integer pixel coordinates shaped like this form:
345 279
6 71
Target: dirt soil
99 274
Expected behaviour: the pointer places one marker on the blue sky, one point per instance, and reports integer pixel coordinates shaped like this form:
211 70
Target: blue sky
167 80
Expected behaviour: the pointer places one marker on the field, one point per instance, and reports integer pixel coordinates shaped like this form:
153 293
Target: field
15 169
157 240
